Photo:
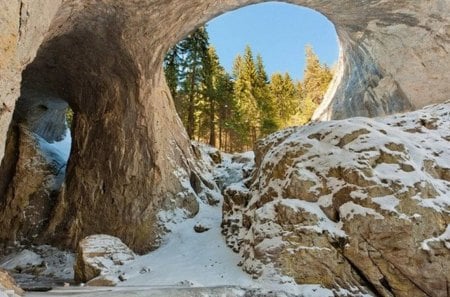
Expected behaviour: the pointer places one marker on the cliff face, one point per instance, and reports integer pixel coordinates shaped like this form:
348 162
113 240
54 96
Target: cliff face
356 204
130 152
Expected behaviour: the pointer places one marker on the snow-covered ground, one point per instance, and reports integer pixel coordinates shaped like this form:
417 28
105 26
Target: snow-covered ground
186 259
189 263
190 259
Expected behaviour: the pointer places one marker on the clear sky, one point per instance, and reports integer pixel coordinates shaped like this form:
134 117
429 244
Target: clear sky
278 31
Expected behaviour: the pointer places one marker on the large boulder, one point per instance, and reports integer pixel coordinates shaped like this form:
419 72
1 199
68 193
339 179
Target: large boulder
361 204
98 255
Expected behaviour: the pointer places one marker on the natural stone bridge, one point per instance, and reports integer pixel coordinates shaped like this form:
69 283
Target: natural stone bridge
105 59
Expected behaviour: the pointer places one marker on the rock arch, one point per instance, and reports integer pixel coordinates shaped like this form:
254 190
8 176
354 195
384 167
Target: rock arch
104 58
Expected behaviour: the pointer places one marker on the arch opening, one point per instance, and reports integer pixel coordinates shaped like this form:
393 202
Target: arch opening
39 141
228 94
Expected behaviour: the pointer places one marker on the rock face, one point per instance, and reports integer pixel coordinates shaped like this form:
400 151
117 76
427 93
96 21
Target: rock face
34 167
361 204
33 190
105 60
98 255
7 283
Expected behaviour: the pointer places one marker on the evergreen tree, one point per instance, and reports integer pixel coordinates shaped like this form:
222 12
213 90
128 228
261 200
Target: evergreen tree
317 78
193 76
268 123
171 69
248 110
233 111
284 94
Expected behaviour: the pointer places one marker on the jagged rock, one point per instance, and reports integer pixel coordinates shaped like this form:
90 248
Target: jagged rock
359 204
32 192
105 60
8 283
98 255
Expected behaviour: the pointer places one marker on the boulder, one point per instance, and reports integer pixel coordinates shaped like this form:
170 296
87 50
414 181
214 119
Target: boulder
98 255
360 204
7 284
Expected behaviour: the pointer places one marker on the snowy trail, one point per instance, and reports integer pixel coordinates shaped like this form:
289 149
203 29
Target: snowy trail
190 258
192 264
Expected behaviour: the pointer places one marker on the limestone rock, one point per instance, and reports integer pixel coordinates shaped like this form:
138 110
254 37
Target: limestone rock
98 255
31 194
8 283
105 60
102 281
361 204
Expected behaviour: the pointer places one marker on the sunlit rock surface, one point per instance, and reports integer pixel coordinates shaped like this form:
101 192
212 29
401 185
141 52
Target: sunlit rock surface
8 285
361 204
130 154
98 255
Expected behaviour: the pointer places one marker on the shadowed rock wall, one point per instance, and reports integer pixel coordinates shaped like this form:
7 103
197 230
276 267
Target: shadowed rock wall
105 59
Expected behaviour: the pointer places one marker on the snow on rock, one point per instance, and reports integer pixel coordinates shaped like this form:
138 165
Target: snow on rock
443 239
99 255
39 266
188 259
352 204
8 286
29 201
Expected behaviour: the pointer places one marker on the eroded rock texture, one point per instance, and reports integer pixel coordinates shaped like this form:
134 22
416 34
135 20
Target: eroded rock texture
129 149
361 204
32 169
7 283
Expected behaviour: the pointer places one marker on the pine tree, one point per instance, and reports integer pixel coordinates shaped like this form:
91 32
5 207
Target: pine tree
284 96
172 72
268 123
317 78
246 100
194 52
233 111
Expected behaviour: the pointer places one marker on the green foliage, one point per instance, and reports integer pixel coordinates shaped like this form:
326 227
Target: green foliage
232 112
284 97
317 78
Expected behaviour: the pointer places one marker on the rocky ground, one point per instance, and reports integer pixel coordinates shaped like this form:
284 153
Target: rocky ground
361 204
357 207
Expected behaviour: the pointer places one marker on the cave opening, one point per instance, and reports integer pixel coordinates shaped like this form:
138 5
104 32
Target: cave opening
251 72
38 145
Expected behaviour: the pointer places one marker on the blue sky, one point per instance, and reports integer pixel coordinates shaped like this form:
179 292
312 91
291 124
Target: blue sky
278 31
